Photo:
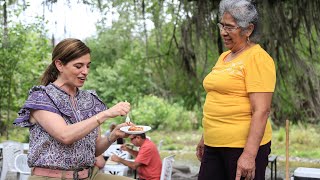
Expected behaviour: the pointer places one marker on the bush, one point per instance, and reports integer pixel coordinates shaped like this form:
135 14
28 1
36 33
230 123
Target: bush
160 114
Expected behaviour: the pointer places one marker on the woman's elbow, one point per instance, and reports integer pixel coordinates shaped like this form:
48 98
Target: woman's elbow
64 139
265 112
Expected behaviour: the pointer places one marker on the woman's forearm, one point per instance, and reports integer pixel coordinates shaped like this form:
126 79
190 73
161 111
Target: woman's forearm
256 132
260 108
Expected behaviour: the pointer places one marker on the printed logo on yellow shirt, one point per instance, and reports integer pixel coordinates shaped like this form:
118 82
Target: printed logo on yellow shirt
231 68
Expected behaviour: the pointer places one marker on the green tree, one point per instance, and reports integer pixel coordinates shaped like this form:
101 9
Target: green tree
181 55
21 60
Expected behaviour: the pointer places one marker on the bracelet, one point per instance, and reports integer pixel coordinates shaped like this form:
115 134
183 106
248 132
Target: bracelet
97 118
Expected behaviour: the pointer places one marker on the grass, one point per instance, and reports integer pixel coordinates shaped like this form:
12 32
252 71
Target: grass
176 140
303 140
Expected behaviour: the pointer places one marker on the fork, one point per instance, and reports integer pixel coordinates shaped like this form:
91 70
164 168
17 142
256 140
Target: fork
128 118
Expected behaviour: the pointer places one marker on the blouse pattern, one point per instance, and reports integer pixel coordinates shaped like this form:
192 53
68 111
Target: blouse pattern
44 150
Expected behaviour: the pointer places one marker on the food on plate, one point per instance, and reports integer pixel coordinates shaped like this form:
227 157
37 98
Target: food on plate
135 128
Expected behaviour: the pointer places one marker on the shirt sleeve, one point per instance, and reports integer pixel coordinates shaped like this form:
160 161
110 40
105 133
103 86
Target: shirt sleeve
144 155
37 100
260 75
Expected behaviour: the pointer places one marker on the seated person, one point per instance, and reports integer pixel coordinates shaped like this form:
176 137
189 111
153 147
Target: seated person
147 160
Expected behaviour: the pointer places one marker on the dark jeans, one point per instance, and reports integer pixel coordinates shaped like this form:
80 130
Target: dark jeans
220 163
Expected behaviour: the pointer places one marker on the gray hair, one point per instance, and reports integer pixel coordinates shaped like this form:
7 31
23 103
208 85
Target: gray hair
244 13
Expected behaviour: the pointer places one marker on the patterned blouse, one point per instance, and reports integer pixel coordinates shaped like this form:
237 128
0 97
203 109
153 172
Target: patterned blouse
44 150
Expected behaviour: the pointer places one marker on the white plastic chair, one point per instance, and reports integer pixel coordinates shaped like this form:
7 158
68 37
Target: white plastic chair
21 164
166 171
10 150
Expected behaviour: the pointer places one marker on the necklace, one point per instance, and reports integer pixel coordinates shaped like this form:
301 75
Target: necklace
234 54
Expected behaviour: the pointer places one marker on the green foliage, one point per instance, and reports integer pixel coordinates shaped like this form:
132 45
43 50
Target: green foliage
303 141
176 140
155 49
281 135
162 115
120 82
17 134
307 135
21 61
296 54
118 70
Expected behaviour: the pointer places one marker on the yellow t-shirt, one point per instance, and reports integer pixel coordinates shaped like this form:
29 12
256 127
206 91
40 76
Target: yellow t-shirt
227 111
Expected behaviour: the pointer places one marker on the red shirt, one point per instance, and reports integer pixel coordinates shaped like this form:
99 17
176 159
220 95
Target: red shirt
150 158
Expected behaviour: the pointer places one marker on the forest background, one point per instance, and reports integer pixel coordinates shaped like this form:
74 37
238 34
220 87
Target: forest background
160 70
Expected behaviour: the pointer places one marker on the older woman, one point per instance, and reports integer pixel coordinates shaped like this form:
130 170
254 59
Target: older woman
64 121
237 133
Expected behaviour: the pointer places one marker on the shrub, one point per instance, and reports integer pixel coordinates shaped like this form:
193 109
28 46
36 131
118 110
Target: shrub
160 114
